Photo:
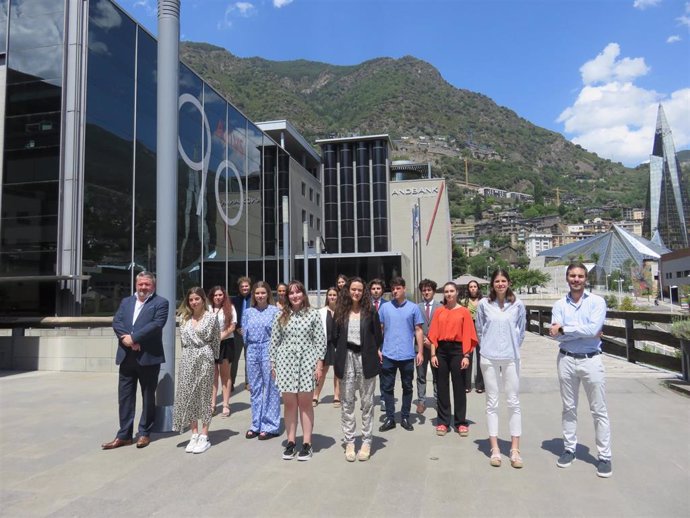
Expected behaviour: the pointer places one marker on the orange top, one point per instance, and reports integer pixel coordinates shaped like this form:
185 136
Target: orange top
453 325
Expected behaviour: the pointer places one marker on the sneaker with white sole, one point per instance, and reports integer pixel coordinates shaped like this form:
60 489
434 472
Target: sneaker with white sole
566 459
192 443
289 452
202 444
305 453
604 469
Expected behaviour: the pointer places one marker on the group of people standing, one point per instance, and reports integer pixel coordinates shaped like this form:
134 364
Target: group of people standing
289 347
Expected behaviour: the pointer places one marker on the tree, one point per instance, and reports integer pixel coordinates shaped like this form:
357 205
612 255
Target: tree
477 208
459 261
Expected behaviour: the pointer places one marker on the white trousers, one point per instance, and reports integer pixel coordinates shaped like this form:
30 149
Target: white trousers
591 373
505 373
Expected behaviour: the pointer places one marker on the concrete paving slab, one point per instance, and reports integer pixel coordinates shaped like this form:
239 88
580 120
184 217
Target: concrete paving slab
51 464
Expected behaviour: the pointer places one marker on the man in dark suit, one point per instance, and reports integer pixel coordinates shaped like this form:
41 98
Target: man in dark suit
427 307
138 325
241 302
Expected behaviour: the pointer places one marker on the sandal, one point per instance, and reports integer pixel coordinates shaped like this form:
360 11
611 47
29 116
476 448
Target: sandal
515 458
495 460
251 434
314 402
226 411
441 430
336 403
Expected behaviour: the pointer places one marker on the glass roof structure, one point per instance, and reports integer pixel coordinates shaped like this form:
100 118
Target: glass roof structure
609 250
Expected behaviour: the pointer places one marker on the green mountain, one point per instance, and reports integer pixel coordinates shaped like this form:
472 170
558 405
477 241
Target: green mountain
408 99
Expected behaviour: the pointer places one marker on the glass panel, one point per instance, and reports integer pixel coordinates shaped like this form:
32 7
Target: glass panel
33 132
108 157
32 64
30 29
3 26
35 97
145 158
33 7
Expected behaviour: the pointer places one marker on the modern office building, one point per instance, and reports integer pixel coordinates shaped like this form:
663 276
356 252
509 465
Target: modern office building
78 171
668 209
371 226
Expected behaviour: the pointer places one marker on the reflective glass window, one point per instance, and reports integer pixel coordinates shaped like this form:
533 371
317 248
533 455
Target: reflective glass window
3 26
145 154
30 29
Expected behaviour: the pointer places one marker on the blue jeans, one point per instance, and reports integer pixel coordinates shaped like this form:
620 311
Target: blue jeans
388 370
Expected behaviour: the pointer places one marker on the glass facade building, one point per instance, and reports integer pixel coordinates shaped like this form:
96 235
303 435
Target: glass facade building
78 192
668 209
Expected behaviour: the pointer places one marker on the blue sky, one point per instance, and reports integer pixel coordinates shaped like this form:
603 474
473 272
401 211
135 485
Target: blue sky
593 70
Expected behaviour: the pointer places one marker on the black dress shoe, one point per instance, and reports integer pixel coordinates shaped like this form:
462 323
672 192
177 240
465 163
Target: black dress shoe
406 425
388 424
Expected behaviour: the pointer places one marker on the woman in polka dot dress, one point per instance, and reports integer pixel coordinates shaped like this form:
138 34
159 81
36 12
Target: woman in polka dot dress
298 346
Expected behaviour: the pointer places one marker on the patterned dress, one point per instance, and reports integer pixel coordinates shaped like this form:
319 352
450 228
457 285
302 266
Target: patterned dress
200 347
295 349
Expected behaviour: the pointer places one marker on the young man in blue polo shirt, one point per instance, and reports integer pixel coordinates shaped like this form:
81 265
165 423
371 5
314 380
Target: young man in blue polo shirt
576 322
401 321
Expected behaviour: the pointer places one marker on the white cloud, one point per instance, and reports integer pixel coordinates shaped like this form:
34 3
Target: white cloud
281 3
673 39
607 67
643 4
245 9
685 18
616 118
148 6
242 9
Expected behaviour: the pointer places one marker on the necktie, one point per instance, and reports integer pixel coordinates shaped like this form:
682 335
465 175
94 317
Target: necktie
428 311
376 305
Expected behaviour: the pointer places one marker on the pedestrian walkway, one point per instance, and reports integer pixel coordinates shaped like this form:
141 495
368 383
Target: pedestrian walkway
53 424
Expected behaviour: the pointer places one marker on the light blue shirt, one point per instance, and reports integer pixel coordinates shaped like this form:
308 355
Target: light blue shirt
581 323
500 331
399 324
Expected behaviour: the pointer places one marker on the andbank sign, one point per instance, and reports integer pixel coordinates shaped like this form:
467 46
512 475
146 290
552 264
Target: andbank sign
416 191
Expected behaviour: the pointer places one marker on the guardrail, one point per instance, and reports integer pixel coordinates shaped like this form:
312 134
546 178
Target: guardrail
620 340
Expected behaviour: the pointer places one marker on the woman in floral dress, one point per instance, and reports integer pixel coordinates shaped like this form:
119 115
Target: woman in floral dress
200 336
298 346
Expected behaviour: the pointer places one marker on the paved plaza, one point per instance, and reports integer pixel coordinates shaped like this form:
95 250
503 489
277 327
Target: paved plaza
53 423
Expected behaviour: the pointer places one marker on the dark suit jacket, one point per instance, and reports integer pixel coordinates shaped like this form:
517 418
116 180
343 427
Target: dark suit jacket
237 302
147 331
371 338
427 322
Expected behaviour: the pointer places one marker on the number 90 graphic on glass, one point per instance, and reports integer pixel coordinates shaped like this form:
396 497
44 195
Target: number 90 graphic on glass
202 166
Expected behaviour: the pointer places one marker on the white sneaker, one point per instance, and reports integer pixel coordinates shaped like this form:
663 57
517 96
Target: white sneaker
202 444
192 443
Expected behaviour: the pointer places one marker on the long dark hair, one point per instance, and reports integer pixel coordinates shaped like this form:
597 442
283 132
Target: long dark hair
510 296
479 290
287 311
342 310
227 309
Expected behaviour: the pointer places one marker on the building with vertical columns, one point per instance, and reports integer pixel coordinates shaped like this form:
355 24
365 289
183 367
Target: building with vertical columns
368 214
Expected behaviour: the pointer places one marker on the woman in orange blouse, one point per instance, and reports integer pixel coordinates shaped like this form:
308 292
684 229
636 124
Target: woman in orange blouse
453 338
